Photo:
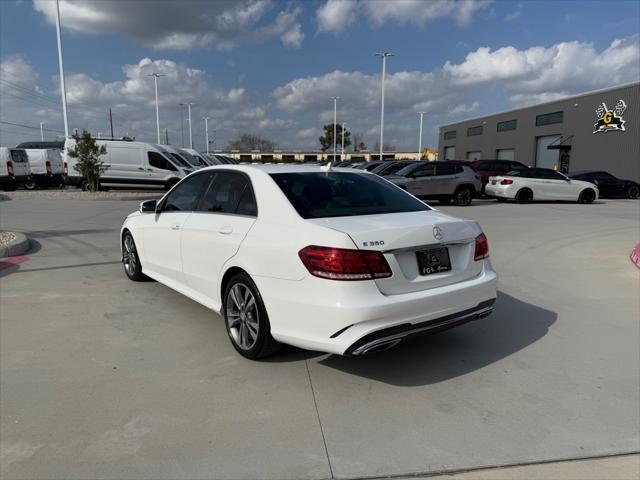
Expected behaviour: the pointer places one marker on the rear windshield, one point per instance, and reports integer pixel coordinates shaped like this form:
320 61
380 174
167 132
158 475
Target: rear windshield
19 156
343 194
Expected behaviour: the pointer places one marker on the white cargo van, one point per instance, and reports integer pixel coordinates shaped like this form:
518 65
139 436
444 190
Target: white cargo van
192 162
47 169
131 165
194 153
14 168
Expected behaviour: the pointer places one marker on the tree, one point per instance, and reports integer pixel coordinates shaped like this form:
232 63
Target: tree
326 140
358 142
248 142
88 153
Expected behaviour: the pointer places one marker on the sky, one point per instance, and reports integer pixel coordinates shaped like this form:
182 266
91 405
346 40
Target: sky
271 68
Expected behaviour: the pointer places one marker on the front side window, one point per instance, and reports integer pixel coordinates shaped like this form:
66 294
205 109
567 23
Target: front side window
548 174
226 193
342 194
158 161
185 196
549 118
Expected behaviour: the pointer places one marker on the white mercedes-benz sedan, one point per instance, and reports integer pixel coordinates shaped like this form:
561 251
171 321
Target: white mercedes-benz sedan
530 184
339 261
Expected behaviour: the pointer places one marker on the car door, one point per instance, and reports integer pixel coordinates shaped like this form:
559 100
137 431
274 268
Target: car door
608 185
556 187
162 232
158 169
445 180
213 233
421 178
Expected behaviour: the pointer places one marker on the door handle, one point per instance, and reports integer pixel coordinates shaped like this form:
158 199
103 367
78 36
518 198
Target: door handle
175 227
140 168
226 230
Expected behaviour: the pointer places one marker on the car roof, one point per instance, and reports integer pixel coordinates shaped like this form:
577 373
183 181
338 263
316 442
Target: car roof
280 168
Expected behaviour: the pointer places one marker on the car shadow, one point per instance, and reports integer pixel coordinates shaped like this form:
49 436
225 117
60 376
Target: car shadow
513 326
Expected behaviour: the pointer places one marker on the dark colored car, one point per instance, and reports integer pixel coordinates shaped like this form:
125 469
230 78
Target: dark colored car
369 166
391 167
491 168
608 185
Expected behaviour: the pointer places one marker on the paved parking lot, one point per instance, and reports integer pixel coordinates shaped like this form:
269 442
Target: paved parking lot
104 378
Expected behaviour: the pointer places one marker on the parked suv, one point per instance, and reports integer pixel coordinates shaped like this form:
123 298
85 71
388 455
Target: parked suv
14 168
443 181
491 168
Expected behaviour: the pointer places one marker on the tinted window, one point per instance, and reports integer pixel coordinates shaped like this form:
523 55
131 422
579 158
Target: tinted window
393 168
516 166
158 161
506 126
185 196
547 174
340 194
224 193
549 118
450 135
247 204
428 170
474 131
447 169
19 156
520 173
603 176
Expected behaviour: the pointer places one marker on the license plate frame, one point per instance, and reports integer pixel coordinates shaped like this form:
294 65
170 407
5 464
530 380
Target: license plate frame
433 260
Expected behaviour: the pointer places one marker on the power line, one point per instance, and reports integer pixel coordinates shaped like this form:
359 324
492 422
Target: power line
30 127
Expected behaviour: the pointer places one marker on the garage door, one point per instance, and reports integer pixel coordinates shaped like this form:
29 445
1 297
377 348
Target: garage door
476 155
449 153
546 158
505 154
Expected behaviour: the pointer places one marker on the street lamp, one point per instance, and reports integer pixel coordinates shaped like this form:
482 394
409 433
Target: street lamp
155 81
63 88
41 132
420 141
384 56
335 133
182 123
342 149
206 132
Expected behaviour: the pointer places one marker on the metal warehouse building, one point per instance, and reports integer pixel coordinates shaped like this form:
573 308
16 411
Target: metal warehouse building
593 131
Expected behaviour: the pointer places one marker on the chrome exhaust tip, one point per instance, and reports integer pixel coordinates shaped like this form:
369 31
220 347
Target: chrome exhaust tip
378 347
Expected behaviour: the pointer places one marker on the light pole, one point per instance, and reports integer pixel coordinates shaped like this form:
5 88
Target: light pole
155 81
206 132
190 132
420 141
342 149
63 88
335 119
182 122
384 56
41 132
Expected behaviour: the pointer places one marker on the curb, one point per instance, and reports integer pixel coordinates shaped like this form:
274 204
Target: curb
19 246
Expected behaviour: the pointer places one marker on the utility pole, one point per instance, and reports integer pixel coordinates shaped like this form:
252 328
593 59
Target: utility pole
111 122
420 141
155 80
166 136
63 88
335 119
384 56
190 132
182 122
206 132
41 132
342 149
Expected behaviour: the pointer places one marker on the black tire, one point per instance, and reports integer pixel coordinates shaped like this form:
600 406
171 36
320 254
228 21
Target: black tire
131 260
246 319
587 196
86 186
463 196
632 192
524 196
170 184
501 199
30 184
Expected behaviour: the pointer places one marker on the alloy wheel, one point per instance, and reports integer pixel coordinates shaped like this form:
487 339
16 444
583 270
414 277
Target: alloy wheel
633 192
463 197
242 316
130 256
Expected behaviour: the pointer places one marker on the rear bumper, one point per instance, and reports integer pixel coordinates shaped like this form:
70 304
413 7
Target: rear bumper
339 317
499 191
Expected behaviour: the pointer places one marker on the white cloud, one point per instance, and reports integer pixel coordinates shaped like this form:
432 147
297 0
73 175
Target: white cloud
335 16
178 24
515 14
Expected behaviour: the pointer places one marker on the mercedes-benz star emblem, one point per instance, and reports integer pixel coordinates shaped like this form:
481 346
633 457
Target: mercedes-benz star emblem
437 233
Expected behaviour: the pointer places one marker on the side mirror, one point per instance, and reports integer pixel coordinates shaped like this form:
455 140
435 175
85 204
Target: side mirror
148 206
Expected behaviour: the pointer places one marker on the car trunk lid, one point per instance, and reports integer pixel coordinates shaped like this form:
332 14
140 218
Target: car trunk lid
401 235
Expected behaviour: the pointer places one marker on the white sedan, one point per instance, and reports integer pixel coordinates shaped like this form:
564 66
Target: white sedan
339 261
531 184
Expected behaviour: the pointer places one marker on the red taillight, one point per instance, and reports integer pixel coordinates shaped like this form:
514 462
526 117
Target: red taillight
482 247
344 264
10 168
66 169
506 182
48 165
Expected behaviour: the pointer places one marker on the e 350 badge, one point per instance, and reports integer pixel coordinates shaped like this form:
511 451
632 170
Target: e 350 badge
610 119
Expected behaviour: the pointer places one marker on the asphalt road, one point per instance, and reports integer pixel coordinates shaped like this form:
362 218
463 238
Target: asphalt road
101 377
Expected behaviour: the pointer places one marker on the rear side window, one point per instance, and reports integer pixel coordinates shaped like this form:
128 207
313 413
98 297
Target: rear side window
341 194
158 161
19 156
226 194
428 170
447 169
185 196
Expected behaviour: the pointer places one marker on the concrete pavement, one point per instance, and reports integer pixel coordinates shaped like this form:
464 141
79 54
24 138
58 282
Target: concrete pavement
104 378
